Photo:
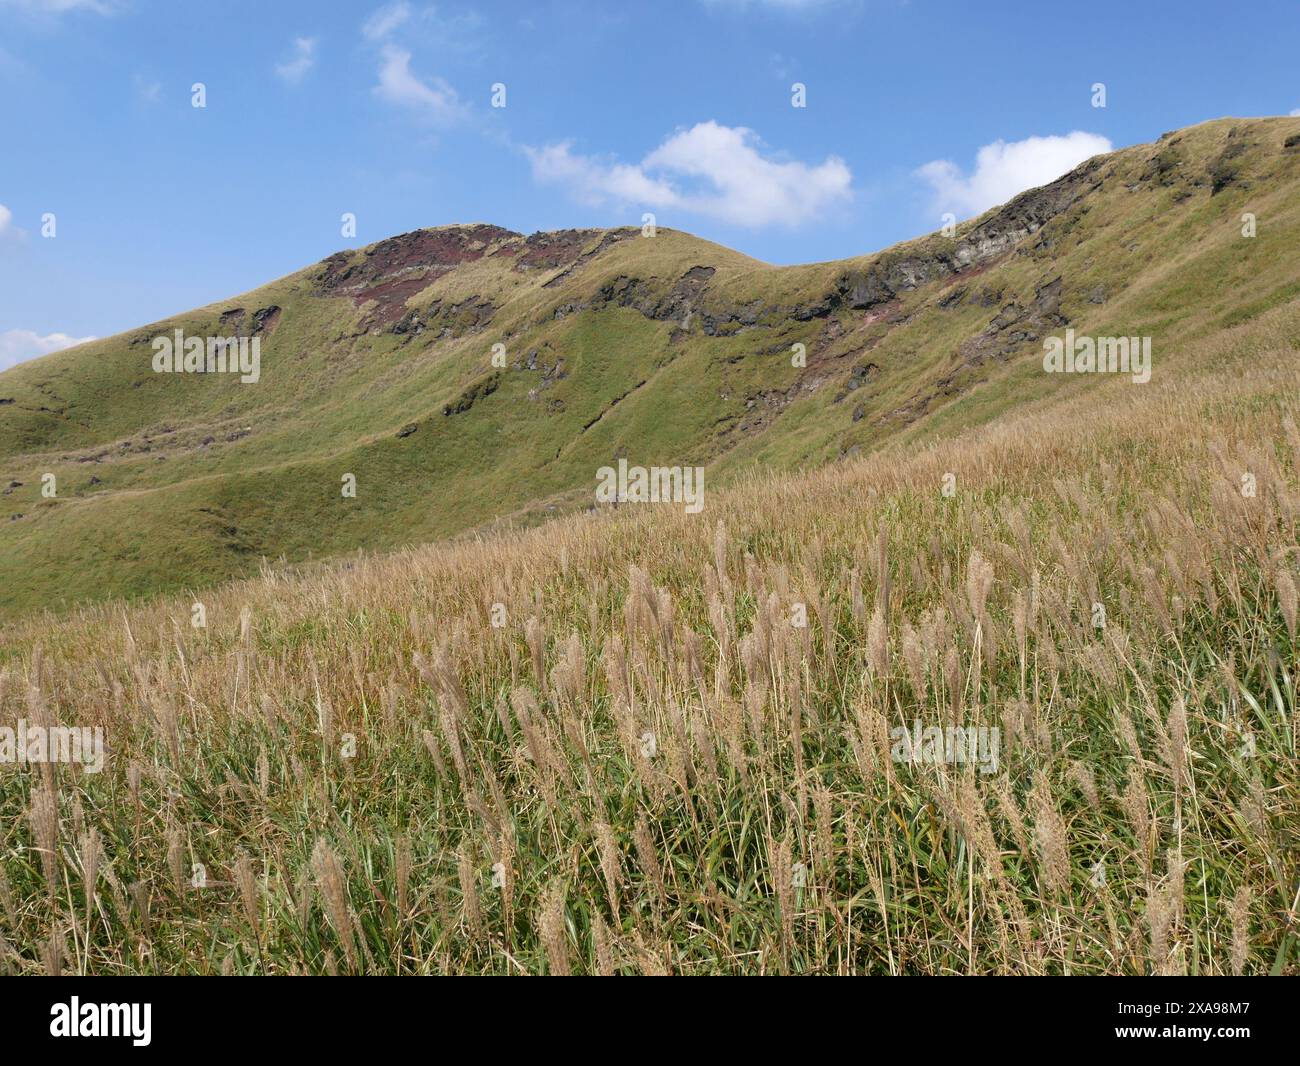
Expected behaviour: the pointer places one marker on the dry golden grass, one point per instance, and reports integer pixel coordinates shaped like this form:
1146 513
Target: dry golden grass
649 768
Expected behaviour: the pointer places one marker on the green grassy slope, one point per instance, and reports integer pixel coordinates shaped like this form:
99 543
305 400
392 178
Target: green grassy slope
663 350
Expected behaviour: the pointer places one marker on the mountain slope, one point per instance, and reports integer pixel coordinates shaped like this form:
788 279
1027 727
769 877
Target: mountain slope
664 350
651 746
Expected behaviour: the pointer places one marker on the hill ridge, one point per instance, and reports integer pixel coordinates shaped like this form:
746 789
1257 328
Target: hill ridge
378 361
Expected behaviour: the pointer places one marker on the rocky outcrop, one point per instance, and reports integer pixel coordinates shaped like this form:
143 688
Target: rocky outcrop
1225 170
446 320
484 386
579 258
893 274
687 302
392 271
1016 324
265 319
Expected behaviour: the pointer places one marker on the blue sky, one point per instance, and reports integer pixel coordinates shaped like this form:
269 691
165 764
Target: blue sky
679 107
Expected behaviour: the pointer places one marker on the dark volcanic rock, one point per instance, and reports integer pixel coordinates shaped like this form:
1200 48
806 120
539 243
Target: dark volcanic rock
1225 170
394 270
1014 325
485 386
265 319
894 274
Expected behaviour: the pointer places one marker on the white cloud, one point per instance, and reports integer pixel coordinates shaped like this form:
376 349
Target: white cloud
1296 113
426 25
19 345
383 22
709 169
58 7
294 69
435 98
432 97
8 231
594 182
1003 169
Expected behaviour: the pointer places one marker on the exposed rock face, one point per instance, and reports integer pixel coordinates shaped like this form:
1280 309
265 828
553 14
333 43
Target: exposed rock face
996 235
679 302
1224 170
688 302
550 250
562 248
484 386
1014 325
447 320
574 258
394 270
420 250
386 276
877 285
685 303
1164 165
389 274
265 319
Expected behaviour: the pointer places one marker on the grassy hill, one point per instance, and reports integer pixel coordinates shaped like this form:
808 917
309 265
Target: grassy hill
603 745
664 350
638 740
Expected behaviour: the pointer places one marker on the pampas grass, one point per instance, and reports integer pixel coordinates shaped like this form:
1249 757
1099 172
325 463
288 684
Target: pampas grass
651 768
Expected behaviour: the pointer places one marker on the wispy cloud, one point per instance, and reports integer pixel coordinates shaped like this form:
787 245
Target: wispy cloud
6 217
426 25
302 58
19 345
710 169
60 7
1003 169
380 25
433 98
